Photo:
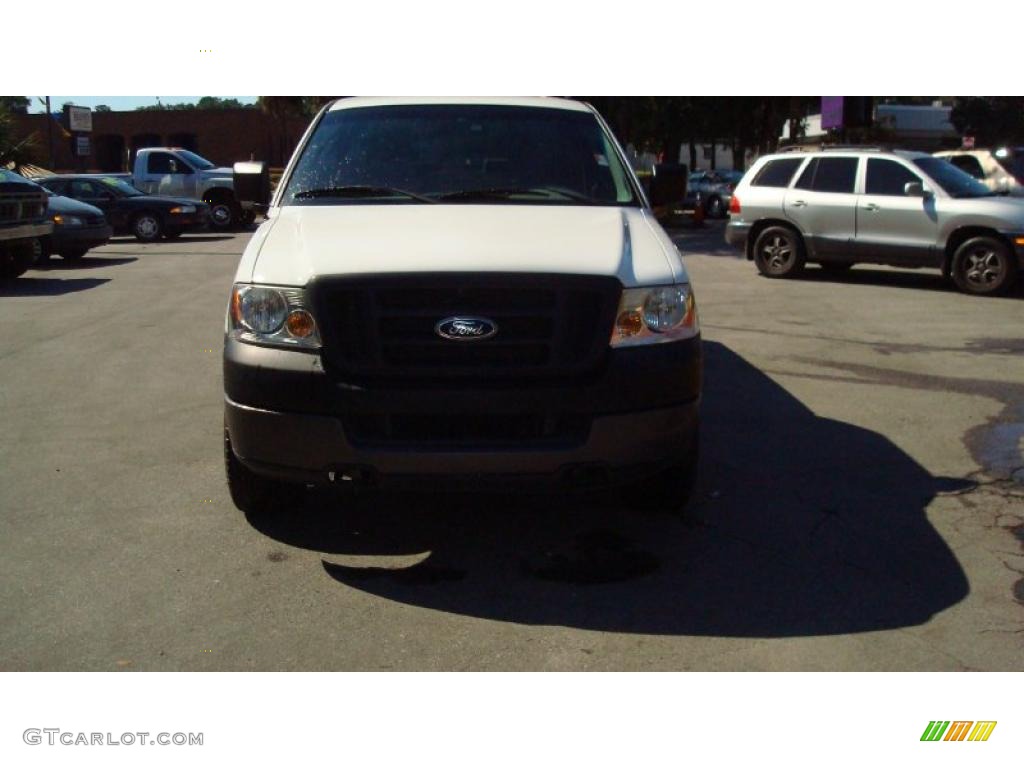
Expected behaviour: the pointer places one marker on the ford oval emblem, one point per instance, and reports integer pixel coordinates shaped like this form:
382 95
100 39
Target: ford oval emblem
466 328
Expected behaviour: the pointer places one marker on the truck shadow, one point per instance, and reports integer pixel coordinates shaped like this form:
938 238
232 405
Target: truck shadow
801 525
48 286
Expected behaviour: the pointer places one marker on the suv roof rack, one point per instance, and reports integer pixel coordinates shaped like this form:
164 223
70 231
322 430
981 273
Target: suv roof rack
834 148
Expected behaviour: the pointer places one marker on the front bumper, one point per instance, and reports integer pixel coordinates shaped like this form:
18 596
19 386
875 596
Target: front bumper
189 222
25 231
736 233
287 418
80 238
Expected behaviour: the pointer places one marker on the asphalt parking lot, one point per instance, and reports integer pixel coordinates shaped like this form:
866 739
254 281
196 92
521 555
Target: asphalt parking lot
860 503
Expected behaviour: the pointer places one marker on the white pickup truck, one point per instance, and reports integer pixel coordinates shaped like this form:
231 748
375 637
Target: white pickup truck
176 172
472 290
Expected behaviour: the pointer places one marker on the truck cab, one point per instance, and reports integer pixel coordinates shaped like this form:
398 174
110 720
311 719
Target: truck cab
469 290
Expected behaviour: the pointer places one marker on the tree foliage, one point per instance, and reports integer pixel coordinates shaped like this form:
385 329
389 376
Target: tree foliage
15 150
992 120
17 105
206 102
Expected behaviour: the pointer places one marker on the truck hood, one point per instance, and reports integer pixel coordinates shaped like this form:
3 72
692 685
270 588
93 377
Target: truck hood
304 241
218 173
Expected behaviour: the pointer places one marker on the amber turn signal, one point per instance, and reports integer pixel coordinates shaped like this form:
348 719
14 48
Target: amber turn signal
300 324
629 323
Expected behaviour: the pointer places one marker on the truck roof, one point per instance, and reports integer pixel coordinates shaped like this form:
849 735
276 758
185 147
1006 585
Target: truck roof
548 102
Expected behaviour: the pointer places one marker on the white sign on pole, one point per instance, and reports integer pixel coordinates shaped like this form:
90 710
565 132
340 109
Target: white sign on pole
80 119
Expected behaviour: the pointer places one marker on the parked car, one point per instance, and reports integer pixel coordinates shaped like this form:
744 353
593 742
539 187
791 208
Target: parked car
148 217
77 227
908 209
472 288
176 172
1001 170
22 220
714 189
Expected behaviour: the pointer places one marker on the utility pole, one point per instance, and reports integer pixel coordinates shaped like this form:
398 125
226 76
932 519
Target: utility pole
49 131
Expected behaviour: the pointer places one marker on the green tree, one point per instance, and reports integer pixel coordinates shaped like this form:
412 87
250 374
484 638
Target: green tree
17 105
992 120
15 150
101 108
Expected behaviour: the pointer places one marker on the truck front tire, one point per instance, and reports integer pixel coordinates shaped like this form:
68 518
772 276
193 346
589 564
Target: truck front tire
16 259
253 494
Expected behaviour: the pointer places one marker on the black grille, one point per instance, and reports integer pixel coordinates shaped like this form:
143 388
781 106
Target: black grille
554 326
17 206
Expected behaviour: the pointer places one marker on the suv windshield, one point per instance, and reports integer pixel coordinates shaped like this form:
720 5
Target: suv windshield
471 153
955 182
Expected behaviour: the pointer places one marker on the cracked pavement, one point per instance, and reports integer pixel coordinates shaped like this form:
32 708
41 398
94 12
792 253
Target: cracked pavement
860 503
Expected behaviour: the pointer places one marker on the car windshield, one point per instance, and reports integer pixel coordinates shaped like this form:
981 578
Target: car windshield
955 182
196 161
416 154
120 186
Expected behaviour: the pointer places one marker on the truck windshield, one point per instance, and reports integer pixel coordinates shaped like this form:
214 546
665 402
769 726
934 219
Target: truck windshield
955 182
197 162
415 154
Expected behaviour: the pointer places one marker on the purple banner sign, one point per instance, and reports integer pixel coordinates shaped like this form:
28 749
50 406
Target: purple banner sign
831 112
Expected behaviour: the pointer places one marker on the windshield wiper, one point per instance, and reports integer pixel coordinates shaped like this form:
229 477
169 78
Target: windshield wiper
359 190
492 193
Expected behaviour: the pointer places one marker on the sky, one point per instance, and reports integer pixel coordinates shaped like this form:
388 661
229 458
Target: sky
120 103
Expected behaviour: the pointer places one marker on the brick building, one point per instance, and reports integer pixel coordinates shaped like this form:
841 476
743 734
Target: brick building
223 136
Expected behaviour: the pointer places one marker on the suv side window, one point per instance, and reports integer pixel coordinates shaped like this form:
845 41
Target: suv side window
887 177
777 173
968 164
829 174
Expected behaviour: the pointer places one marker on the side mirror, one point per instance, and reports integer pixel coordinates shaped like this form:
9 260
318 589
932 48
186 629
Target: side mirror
668 184
915 189
252 185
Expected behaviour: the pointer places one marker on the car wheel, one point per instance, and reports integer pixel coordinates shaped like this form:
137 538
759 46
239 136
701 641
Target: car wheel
982 266
836 267
16 261
716 209
72 255
222 214
779 252
147 227
253 494
40 252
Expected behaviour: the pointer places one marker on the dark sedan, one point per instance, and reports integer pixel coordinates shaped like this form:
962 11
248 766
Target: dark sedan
77 227
148 217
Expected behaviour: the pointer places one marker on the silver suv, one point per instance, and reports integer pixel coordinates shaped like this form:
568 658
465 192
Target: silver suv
841 207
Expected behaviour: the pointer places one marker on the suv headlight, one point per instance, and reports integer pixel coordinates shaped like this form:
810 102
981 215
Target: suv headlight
261 314
183 209
655 315
66 221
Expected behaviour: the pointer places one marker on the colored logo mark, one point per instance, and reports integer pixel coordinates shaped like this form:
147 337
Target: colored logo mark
958 730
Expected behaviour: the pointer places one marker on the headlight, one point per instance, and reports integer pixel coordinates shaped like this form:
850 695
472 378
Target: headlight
655 315
183 209
259 314
67 221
